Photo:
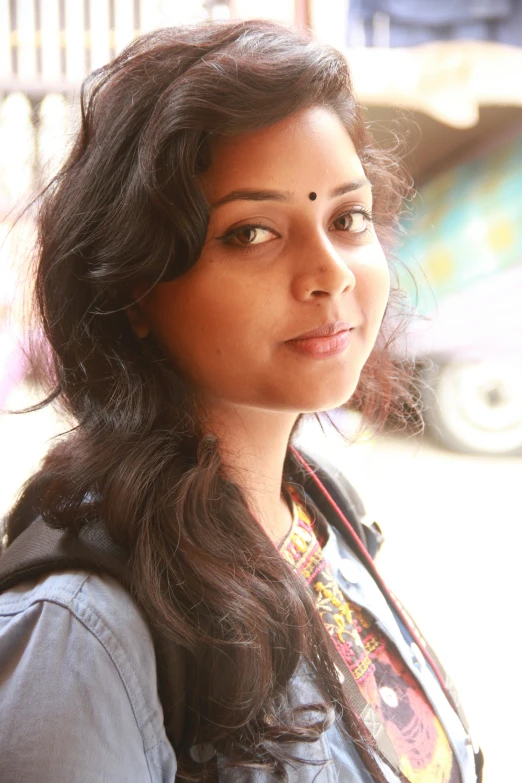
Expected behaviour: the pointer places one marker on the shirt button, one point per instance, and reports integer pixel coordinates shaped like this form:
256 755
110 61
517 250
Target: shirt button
202 753
350 571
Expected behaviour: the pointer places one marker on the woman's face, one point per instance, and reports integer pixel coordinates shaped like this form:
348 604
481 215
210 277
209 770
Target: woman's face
290 248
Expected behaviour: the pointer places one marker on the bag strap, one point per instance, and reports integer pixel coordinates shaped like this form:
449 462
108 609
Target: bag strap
41 549
344 495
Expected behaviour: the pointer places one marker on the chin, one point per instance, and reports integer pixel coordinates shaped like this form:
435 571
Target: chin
326 399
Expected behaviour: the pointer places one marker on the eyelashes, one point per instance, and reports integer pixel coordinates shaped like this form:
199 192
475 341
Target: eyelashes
351 215
247 234
253 235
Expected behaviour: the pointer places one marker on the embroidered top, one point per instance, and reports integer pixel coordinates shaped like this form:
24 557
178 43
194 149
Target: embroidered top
384 680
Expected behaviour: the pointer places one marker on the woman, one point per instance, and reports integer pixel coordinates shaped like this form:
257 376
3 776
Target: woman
210 269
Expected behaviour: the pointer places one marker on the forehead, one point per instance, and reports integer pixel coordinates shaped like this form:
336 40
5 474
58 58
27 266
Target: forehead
310 149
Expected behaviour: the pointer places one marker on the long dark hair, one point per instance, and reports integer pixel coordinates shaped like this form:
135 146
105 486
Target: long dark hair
127 209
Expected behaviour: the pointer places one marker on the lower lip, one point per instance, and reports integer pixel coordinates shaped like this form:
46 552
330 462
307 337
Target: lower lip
322 347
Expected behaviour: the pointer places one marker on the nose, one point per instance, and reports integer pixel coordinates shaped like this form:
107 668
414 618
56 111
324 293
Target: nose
322 271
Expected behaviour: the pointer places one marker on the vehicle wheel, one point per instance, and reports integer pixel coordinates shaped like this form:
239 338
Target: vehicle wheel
475 407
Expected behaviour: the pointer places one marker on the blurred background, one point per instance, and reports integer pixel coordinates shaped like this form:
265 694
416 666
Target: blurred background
442 80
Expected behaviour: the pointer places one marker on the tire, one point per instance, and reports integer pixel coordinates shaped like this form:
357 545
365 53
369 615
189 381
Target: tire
474 407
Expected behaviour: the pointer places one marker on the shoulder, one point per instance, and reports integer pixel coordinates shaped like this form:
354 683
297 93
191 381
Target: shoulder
80 663
94 608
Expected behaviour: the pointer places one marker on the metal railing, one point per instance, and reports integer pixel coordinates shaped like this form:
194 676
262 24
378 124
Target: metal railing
50 45
46 49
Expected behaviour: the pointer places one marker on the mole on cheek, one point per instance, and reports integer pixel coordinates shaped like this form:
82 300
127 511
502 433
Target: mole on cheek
312 196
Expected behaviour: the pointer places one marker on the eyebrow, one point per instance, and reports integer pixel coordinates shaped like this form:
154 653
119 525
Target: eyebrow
348 187
283 195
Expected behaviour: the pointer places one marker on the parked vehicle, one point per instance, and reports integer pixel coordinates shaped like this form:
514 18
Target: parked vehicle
466 255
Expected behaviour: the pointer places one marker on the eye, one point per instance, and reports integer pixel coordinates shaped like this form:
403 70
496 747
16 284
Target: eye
248 235
356 222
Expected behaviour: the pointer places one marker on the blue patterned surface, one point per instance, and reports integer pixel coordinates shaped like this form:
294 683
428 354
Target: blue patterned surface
466 226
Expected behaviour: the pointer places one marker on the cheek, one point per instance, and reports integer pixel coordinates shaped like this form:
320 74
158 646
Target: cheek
170 309
201 321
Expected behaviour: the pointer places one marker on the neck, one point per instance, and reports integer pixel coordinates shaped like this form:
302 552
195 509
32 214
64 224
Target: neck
253 445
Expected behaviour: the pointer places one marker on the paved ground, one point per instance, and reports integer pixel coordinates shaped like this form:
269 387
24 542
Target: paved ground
452 528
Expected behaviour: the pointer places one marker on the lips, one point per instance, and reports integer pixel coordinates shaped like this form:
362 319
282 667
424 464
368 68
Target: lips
327 340
327 330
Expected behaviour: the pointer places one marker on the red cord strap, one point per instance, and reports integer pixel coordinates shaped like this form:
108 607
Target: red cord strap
378 578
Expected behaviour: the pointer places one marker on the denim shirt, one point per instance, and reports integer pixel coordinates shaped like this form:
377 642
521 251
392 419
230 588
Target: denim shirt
78 691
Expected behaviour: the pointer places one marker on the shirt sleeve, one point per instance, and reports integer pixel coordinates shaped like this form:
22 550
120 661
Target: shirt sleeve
66 713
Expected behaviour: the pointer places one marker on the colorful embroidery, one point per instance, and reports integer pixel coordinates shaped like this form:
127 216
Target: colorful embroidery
384 680
344 621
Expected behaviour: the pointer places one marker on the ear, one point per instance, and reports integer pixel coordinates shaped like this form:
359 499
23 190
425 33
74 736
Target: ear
136 314
138 322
